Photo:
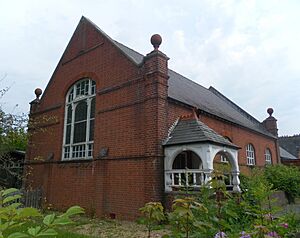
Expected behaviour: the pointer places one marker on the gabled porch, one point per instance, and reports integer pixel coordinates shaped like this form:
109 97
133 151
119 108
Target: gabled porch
190 151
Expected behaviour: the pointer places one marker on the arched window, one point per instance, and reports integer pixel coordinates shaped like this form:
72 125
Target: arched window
268 156
250 154
79 120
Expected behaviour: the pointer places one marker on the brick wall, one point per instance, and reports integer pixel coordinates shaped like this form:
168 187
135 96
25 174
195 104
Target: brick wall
238 135
130 114
133 115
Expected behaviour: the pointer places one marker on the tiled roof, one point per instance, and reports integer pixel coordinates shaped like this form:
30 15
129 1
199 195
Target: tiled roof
285 154
290 143
135 56
209 100
192 130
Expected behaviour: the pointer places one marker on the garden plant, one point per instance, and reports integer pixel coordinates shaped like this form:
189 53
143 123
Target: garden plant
17 221
213 212
153 213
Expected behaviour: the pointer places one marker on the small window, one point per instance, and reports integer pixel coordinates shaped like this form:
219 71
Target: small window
250 154
268 156
223 159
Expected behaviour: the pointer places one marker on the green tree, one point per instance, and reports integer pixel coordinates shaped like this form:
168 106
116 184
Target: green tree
13 132
13 137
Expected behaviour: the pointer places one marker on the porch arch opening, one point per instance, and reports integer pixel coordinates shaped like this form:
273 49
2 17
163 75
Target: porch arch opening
187 160
224 162
185 171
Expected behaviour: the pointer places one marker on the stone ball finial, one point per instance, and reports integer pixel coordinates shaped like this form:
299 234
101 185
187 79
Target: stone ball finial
38 92
270 111
156 41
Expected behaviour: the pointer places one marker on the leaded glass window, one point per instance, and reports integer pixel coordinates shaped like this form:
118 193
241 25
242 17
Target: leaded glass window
79 120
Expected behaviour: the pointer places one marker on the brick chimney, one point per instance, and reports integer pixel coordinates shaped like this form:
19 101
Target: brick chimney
270 123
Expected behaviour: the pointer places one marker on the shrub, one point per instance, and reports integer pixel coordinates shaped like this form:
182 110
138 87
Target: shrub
285 178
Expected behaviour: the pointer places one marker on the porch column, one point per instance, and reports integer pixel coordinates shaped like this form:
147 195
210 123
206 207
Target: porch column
235 172
236 181
208 177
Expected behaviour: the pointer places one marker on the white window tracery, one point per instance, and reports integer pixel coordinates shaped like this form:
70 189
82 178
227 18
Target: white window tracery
79 120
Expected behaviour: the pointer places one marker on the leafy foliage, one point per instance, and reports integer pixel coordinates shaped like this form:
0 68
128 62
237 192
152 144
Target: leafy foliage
13 215
13 137
226 211
13 134
153 213
214 212
285 178
184 218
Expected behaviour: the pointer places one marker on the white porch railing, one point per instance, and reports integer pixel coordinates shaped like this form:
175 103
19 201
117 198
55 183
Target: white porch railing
192 178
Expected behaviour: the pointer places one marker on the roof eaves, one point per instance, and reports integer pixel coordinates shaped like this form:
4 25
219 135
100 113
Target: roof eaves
132 52
202 142
170 132
241 110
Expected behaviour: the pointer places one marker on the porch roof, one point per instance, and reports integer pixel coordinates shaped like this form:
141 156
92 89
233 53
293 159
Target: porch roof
192 130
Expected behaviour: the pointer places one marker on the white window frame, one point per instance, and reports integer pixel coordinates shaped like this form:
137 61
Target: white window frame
81 150
250 154
268 156
223 159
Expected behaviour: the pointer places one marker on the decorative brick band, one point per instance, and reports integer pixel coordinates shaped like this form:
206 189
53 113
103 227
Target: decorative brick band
144 157
129 104
48 109
82 53
120 86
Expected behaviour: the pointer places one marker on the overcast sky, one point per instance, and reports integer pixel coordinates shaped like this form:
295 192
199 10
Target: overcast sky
248 50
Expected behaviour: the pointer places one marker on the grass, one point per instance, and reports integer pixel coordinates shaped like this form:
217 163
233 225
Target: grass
105 228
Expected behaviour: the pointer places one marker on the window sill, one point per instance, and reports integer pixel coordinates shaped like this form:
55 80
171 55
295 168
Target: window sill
75 161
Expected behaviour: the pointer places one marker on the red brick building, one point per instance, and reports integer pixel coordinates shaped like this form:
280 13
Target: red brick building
115 129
